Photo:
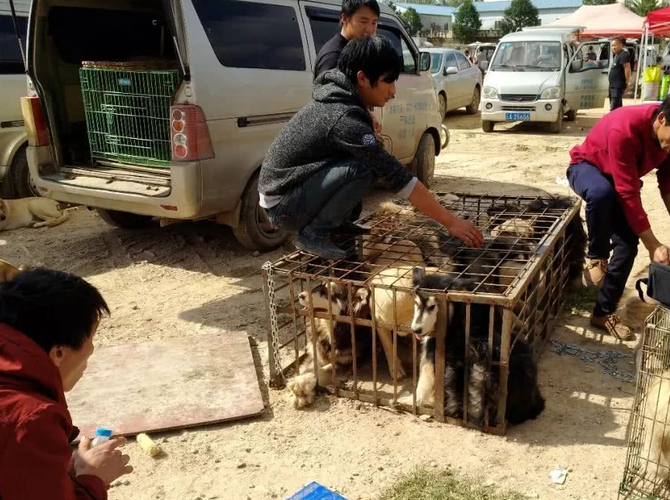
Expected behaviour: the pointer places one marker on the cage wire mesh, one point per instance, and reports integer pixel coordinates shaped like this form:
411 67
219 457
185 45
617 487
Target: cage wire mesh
509 298
127 107
647 469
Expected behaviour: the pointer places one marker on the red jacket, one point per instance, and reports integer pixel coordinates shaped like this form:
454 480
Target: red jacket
623 146
36 428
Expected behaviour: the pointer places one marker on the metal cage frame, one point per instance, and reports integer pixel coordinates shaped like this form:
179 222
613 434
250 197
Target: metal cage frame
527 307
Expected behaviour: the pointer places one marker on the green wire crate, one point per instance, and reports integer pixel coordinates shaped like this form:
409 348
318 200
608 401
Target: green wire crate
127 111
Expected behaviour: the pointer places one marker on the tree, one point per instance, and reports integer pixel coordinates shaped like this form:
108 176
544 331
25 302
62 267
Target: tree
452 3
467 23
392 7
643 7
598 2
519 14
413 20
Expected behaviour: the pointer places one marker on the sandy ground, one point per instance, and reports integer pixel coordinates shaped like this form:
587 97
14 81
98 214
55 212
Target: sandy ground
191 279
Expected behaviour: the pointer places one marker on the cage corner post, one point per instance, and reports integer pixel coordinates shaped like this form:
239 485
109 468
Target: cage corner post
276 377
442 325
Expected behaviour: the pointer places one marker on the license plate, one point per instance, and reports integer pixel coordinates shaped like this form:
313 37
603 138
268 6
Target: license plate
517 117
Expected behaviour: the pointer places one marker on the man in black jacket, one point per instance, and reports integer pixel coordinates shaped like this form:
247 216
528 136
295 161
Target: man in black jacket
327 158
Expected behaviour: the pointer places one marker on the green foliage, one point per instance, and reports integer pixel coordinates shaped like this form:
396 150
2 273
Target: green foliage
467 23
520 14
413 21
643 7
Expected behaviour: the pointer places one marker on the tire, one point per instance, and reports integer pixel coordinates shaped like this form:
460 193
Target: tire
474 105
442 105
126 220
557 126
19 176
254 231
445 136
423 164
571 115
487 126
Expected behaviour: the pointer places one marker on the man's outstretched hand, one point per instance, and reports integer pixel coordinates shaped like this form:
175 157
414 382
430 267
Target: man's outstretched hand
466 232
661 255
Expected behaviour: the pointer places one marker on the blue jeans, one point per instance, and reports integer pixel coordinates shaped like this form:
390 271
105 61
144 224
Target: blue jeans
325 200
608 232
616 97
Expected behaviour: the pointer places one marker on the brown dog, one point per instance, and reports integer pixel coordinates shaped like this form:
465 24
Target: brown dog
7 271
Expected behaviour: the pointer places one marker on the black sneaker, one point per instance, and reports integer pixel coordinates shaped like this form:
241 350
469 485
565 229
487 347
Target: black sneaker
322 247
351 228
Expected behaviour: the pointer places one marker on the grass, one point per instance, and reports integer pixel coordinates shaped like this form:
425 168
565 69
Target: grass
443 485
581 300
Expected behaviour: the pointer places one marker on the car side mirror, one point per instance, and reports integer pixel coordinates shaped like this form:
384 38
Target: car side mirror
451 71
425 61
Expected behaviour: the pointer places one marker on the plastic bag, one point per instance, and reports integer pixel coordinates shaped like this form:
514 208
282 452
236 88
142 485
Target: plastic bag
652 74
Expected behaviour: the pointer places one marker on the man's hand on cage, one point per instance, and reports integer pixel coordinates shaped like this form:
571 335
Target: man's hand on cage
467 232
661 255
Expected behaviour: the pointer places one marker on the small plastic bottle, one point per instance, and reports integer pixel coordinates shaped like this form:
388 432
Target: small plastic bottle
102 435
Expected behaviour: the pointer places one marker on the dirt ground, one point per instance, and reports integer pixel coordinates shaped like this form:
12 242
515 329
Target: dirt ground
191 279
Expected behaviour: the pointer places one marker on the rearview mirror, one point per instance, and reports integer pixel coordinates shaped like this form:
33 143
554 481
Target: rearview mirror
451 71
425 61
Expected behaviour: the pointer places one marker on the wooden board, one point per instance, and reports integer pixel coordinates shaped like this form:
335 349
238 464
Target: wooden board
158 386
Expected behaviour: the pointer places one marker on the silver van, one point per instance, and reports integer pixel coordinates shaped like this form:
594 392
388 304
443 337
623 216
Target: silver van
165 108
14 174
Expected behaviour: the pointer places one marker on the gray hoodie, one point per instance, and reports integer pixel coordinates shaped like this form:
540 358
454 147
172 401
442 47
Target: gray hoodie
334 127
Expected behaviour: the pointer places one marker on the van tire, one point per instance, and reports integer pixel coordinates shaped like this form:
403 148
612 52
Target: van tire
252 232
442 105
571 115
423 164
557 126
19 176
126 220
487 126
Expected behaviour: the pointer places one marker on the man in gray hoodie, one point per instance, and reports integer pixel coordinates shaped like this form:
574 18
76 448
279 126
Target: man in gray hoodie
328 158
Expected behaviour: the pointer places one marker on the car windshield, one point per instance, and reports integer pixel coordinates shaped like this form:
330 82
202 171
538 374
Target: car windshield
435 63
528 56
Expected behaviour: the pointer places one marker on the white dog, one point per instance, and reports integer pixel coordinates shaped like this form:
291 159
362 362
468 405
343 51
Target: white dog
30 212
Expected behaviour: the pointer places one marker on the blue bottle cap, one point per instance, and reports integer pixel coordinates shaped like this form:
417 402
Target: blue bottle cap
102 432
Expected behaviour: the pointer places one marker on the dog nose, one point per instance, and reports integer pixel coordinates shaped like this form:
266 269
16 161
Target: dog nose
3 217
302 296
417 330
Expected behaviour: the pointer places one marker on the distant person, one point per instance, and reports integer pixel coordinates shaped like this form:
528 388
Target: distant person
619 73
358 19
591 54
468 55
605 171
47 323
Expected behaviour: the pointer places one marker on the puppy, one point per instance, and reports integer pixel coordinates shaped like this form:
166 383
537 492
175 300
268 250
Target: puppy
30 212
7 271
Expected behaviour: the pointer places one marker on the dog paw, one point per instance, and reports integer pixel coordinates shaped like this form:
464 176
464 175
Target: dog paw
424 395
302 390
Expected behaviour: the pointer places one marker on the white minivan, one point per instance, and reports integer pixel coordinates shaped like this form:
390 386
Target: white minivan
164 109
542 75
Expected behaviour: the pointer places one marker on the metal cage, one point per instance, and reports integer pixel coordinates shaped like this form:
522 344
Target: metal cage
647 469
519 287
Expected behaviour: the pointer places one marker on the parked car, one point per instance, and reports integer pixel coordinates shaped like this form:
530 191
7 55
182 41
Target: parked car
14 173
458 81
232 74
542 75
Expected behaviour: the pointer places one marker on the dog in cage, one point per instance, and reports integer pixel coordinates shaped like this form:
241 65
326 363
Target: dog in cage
657 424
524 400
329 342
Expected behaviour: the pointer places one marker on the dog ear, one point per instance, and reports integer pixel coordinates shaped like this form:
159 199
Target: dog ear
418 274
463 284
363 294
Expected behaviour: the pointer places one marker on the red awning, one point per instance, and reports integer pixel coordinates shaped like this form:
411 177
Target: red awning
659 21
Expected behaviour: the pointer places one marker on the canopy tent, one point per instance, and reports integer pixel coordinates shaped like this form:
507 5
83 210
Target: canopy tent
603 21
659 22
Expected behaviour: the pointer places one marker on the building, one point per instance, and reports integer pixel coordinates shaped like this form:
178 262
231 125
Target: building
437 20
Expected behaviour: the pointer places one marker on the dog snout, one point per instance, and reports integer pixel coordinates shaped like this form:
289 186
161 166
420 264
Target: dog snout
3 217
417 329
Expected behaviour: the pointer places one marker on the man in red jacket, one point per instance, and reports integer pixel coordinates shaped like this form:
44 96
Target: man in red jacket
605 171
47 323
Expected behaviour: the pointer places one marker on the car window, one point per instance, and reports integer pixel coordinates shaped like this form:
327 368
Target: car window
324 23
435 63
11 62
401 45
450 61
253 35
462 61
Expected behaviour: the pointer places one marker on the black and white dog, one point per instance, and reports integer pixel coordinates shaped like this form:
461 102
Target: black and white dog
524 399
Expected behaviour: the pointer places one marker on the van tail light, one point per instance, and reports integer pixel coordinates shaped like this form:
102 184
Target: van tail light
35 122
189 133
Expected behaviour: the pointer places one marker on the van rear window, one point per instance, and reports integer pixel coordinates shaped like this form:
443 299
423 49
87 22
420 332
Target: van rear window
11 62
253 35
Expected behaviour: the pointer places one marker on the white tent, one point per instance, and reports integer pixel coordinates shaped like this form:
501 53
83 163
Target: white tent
603 21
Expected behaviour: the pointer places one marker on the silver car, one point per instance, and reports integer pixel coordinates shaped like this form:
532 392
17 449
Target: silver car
458 81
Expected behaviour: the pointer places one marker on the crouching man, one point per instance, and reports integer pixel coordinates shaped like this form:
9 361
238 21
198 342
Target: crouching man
605 171
47 323
328 158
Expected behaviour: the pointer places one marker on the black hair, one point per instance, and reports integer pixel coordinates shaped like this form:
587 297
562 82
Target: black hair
620 39
53 308
663 108
350 7
375 56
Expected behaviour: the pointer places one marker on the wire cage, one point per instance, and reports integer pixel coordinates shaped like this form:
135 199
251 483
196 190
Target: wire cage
127 107
494 308
647 469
